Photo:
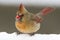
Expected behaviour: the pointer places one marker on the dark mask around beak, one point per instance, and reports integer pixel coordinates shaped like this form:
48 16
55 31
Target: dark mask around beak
19 17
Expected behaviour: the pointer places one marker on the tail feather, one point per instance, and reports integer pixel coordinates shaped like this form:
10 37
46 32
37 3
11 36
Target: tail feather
46 10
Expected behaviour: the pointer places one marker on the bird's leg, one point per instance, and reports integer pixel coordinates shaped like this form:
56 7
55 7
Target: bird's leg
18 33
31 34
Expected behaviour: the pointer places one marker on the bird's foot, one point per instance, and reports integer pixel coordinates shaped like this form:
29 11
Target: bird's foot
31 34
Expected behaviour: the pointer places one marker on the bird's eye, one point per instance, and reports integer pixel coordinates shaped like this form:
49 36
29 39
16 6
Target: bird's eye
20 14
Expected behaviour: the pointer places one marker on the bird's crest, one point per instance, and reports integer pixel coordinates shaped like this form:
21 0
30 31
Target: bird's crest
22 9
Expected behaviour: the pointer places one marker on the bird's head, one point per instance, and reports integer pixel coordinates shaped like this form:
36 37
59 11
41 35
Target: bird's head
21 13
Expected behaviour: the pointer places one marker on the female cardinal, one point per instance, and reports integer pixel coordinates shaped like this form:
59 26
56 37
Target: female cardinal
27 22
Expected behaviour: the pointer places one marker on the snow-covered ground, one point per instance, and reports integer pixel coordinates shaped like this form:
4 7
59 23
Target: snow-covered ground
14 36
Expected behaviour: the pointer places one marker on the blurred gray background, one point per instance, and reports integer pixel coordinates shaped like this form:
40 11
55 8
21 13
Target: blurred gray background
51 23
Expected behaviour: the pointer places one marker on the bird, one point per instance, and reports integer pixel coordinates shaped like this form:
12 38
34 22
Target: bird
27 22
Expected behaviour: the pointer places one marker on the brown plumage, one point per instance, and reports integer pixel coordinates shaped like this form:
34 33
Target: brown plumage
27 22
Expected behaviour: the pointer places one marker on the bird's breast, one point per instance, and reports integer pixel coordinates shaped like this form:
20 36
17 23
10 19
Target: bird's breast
27 28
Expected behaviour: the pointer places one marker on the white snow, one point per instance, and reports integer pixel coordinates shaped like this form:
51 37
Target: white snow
14 36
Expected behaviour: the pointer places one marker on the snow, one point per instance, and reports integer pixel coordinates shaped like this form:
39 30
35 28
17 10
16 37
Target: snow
14 36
